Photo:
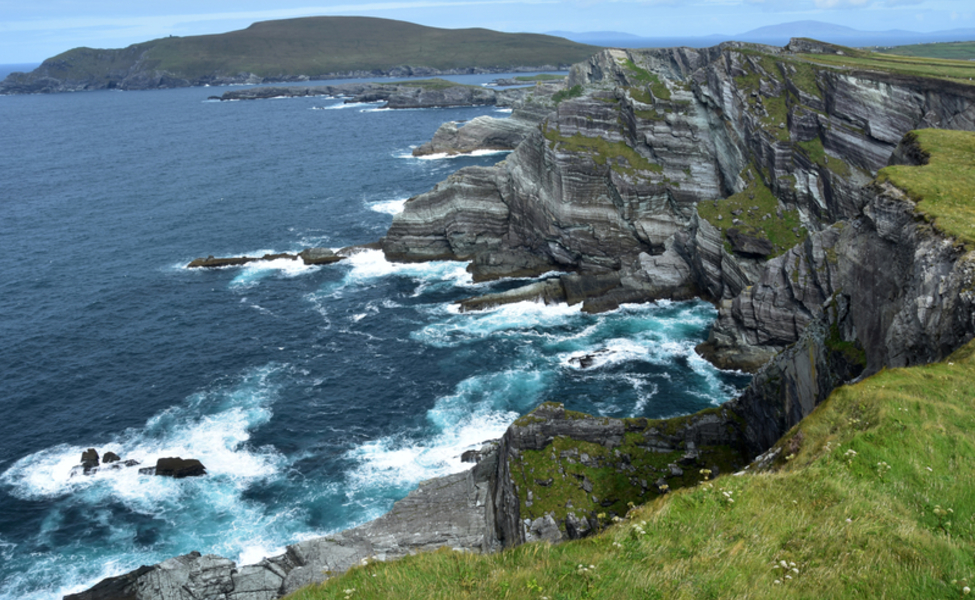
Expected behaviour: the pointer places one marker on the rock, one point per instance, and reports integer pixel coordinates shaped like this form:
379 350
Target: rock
89 459
310 256
749 245
318 256
480 133
110 457
176 468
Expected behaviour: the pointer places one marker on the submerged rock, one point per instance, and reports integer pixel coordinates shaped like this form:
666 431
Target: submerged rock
310 256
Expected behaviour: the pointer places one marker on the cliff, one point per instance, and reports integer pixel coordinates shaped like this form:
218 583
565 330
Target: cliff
756 177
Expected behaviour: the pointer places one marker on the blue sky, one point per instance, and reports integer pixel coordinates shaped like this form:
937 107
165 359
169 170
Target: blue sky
32 30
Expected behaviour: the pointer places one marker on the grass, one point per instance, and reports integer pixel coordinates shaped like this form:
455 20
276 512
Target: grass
950 50
816 153
872 499
573 92
322 45
955 70
620 157
436 84
752 205
944 189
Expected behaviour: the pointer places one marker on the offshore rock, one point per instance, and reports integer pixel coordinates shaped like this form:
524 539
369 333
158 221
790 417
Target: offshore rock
310 256
480 133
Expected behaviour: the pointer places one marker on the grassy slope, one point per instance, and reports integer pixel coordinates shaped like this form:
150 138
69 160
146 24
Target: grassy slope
319 45
945 187
955 50
876 502
872 497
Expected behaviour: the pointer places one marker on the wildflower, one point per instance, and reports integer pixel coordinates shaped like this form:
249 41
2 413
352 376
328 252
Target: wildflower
784 564
788 576
776 582
795 570
967 590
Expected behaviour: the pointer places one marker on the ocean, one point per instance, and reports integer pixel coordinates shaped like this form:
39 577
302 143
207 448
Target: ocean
316 396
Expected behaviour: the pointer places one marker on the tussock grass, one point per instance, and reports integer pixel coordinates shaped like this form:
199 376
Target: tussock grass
877 502
945 187
951 50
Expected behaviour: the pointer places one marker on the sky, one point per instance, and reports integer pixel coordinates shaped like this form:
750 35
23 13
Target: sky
33 30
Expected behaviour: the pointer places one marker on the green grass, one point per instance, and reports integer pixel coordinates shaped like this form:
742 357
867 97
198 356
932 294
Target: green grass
436 84
875 501
321 45
647 79
573 92
618 155
944 189
955 70
950 50
816 153
754 203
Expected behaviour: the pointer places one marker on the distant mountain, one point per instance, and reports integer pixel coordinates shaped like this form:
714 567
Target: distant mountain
778 35
297 49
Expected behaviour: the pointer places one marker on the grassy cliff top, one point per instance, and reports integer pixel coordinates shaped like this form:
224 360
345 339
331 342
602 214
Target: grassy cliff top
956 70
872 498
321 45
954 50
944 189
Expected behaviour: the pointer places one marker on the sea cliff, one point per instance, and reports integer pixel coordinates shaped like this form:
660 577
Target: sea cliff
744 174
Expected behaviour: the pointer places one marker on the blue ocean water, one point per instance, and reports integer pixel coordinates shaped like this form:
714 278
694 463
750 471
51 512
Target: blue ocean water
316 396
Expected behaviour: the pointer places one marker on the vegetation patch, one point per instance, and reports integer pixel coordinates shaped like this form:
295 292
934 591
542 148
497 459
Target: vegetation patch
756 212
816 153
620 157
950 50
647 79
956 70
435 84
874 500
944 189
573 92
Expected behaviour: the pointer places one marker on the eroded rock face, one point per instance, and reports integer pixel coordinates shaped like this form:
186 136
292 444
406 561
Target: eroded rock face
618 172
883 290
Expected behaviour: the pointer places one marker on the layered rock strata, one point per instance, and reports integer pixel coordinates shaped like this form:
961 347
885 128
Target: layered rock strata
613 178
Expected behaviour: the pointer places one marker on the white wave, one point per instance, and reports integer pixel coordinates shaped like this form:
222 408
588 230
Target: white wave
252 273
481 409
518 318
212 427
503 110
343 105
446 156
389 207
370 265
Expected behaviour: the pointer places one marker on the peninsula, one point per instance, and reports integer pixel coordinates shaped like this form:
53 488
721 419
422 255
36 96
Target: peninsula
310 48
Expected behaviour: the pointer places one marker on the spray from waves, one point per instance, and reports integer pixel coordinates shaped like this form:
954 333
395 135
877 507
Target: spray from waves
520 319
97 525
479 410
446 156
252 273
369 268
388 207
343 105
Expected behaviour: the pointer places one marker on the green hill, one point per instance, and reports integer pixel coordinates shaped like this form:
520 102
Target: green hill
297 48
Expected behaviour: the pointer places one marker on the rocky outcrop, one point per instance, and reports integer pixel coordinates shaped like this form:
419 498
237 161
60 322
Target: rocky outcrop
176 467
480 133
309 256
883 290
616 174
564 475
92 463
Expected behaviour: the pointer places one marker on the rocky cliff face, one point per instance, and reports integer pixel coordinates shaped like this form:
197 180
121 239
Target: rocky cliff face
708 161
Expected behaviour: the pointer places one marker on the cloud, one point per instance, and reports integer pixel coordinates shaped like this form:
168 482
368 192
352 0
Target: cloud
831 4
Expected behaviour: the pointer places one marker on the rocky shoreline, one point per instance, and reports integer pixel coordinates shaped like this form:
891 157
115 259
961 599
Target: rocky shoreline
654 182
